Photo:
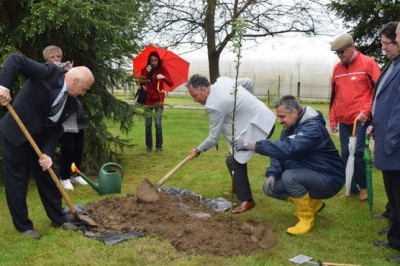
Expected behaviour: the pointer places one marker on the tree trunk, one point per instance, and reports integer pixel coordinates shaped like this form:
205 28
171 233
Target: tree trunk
213 54
213 66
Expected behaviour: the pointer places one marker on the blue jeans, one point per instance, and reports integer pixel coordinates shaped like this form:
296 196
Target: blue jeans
296 183
359 176
149 121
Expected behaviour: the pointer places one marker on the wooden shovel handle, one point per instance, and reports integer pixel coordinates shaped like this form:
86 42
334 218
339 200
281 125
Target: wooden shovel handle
338 264
40 154
353 133
170 173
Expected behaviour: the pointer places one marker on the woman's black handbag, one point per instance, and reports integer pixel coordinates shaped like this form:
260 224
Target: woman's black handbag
141 95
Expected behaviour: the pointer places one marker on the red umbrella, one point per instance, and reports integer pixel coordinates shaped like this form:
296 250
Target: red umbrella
177 67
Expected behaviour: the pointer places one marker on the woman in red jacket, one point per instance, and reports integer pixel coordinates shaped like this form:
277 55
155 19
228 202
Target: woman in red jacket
155 75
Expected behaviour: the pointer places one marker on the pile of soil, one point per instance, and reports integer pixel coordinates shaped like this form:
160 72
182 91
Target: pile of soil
189 225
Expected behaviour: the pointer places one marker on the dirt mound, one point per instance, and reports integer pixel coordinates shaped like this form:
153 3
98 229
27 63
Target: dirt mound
189 225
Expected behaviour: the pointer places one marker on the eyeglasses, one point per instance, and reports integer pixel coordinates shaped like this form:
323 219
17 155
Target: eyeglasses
387 43
341 51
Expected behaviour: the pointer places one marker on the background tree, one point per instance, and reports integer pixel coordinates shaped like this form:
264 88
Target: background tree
364 18
102 35
210 23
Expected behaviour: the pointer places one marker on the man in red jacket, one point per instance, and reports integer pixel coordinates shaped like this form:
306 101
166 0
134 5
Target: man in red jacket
352 87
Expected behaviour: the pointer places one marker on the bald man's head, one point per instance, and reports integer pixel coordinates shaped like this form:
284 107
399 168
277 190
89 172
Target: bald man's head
79 80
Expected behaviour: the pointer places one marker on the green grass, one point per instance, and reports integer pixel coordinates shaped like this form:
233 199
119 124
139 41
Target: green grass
343 232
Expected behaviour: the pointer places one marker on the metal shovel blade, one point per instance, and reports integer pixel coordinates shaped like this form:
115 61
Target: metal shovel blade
301 259
148 192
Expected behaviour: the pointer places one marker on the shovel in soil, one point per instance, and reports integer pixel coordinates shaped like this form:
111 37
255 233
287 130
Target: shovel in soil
83 218
148 192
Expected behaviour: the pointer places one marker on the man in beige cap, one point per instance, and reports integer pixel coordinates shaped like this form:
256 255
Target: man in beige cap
352 87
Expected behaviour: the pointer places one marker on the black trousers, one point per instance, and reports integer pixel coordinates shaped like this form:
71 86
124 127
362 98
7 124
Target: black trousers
17 161
392 186
71 152
240 178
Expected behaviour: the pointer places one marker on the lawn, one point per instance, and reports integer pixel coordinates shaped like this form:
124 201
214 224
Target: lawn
343 233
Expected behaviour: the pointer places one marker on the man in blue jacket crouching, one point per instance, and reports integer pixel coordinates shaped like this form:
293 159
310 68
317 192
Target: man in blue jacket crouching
305 164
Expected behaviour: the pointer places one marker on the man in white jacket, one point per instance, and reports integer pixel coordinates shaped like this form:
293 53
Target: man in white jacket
253 121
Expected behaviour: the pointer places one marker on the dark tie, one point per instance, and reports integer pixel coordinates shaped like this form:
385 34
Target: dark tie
56 108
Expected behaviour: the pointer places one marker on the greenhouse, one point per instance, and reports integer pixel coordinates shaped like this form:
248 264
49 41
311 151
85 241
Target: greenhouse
299 66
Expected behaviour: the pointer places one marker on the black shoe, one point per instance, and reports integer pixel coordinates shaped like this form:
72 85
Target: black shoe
386 214
393 259
66 226
384 231
148 149
379 243
32 233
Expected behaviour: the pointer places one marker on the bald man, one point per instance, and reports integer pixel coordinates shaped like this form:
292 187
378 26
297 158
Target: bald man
45 101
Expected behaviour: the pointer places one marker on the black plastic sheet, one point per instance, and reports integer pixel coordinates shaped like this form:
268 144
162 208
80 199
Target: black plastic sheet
112 238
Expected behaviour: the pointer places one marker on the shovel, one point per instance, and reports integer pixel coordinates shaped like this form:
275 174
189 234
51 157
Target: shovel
302 259
82 218
148 192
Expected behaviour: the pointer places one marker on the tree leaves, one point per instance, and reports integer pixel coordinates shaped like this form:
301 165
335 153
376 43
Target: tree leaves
364 18
102 35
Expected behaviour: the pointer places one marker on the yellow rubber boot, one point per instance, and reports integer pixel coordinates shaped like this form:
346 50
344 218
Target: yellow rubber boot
305 215
316 205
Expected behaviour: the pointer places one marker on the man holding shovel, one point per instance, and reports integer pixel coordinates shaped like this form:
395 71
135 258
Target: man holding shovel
45 101
253 120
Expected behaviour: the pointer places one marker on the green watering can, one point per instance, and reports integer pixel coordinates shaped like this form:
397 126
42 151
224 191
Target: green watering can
109 180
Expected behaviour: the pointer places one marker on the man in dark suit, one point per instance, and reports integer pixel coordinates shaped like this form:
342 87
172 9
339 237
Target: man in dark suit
391 50
386 132
45 101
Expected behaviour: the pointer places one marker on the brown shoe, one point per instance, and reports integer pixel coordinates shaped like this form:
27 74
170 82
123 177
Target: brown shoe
363 194
32 233
244 206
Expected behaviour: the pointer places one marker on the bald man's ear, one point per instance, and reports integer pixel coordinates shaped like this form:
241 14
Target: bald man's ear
75 79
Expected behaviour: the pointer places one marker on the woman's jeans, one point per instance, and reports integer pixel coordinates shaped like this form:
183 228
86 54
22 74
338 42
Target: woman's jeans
149 120
359 176
296 183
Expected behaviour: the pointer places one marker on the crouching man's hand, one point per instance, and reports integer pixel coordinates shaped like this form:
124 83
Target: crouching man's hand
244 145
269 183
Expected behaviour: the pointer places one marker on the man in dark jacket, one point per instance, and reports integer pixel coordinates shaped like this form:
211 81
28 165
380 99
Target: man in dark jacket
391 50
305 164
45 101
386 131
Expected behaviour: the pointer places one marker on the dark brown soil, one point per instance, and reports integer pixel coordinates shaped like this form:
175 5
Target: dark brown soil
189 225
